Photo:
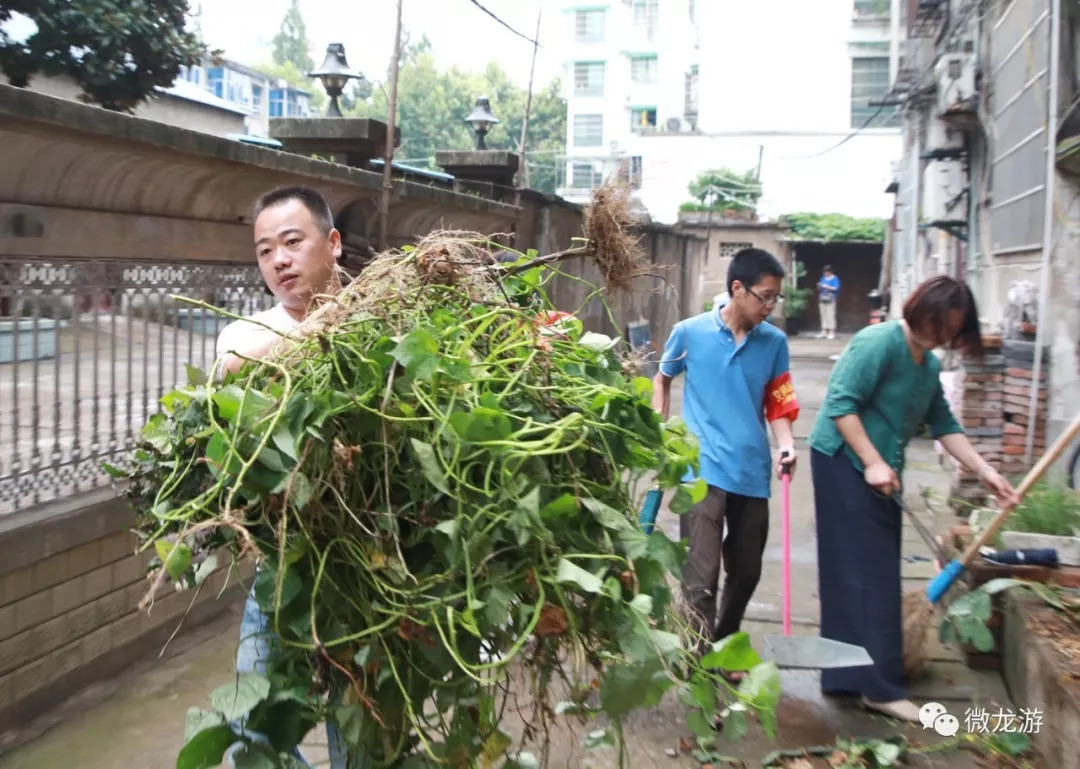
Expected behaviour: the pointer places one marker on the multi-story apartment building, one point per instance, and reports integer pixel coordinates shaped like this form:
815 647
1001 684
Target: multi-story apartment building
787 87
258 95
627 67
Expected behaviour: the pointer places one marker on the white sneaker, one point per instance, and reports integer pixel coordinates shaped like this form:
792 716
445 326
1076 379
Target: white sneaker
832 336
903 710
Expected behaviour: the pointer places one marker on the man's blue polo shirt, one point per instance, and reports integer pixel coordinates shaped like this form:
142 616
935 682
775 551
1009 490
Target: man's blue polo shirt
724 397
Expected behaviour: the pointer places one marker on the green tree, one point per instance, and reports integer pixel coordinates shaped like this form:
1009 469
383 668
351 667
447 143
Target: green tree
291 42
835 227
433 104
724 190
116 51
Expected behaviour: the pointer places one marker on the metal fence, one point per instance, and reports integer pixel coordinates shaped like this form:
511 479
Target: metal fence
87 349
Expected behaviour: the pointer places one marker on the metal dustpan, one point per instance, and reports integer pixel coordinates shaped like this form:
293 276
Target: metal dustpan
805 652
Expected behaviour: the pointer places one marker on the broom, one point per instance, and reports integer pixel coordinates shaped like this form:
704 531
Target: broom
919 607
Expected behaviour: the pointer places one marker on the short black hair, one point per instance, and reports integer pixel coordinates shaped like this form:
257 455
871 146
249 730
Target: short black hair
312 200
750 265
827 268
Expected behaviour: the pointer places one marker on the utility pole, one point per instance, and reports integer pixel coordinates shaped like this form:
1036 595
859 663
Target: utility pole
388 184
523 176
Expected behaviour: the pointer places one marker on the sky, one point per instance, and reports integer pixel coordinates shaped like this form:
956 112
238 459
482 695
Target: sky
460 32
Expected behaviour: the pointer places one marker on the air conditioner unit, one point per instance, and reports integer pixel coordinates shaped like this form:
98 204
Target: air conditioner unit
954 77
942 183
941 137
673 124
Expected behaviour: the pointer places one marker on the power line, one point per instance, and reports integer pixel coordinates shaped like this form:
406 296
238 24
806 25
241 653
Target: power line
843 141
522 35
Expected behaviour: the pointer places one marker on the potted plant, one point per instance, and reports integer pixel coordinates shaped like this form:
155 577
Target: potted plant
798 299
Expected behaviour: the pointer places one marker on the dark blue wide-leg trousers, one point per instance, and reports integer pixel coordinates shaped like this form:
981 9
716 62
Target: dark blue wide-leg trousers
858 535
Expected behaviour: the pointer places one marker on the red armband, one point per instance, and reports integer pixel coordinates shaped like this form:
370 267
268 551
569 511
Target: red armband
780 400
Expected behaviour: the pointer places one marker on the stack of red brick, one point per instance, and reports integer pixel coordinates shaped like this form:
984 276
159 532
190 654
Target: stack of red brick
1019 381
996 398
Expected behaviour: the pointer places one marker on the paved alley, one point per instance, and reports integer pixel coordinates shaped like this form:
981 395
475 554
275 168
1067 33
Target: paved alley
137 721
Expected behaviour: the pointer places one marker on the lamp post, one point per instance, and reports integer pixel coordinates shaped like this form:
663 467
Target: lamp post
335 75
481 120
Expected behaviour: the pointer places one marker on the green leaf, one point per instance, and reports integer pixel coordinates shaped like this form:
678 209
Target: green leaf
596 342
642 604
176 557
418 352
643 388
497 605
733 653
761 686
886 753
198 719
496 745
562 508
350 720
981 637
231 398
1014 744
158 434
607 516
255 757
571 573
668 644
688 495
482 424
206 748
627 687
113 470
195 377
449 528
235 700
1002 583
429 463
699 725
665 552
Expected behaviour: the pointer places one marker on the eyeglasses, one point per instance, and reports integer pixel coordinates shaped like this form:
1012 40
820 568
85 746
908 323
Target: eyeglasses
771 301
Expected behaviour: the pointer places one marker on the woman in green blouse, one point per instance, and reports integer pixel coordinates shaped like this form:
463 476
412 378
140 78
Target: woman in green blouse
883 387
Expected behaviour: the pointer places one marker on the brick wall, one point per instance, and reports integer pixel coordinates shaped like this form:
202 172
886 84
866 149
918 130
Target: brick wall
994 411
70 586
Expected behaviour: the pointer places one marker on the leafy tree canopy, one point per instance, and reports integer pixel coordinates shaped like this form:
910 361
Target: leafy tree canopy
724 190
433 104
835 227
116 51
291 42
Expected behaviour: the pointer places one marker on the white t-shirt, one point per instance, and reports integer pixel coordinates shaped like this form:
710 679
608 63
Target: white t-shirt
240 334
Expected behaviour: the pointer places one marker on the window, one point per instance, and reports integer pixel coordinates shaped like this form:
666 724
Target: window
643 69
642 118
589 78
256 98
645 12
277 102
589 26
584 176
870 82
588 130
872 8
728 250
630 171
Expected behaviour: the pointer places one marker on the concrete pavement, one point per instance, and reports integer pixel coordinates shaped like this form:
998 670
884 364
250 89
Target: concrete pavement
136 721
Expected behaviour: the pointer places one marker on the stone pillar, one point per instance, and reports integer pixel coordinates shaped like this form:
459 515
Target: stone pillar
488 173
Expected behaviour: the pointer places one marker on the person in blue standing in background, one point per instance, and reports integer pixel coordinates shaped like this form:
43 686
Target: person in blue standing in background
828 293
737 380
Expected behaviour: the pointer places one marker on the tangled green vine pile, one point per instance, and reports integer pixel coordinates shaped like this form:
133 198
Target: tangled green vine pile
441 486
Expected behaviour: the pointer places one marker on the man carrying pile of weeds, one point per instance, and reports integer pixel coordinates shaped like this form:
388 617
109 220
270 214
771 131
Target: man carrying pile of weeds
737 379
297 249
